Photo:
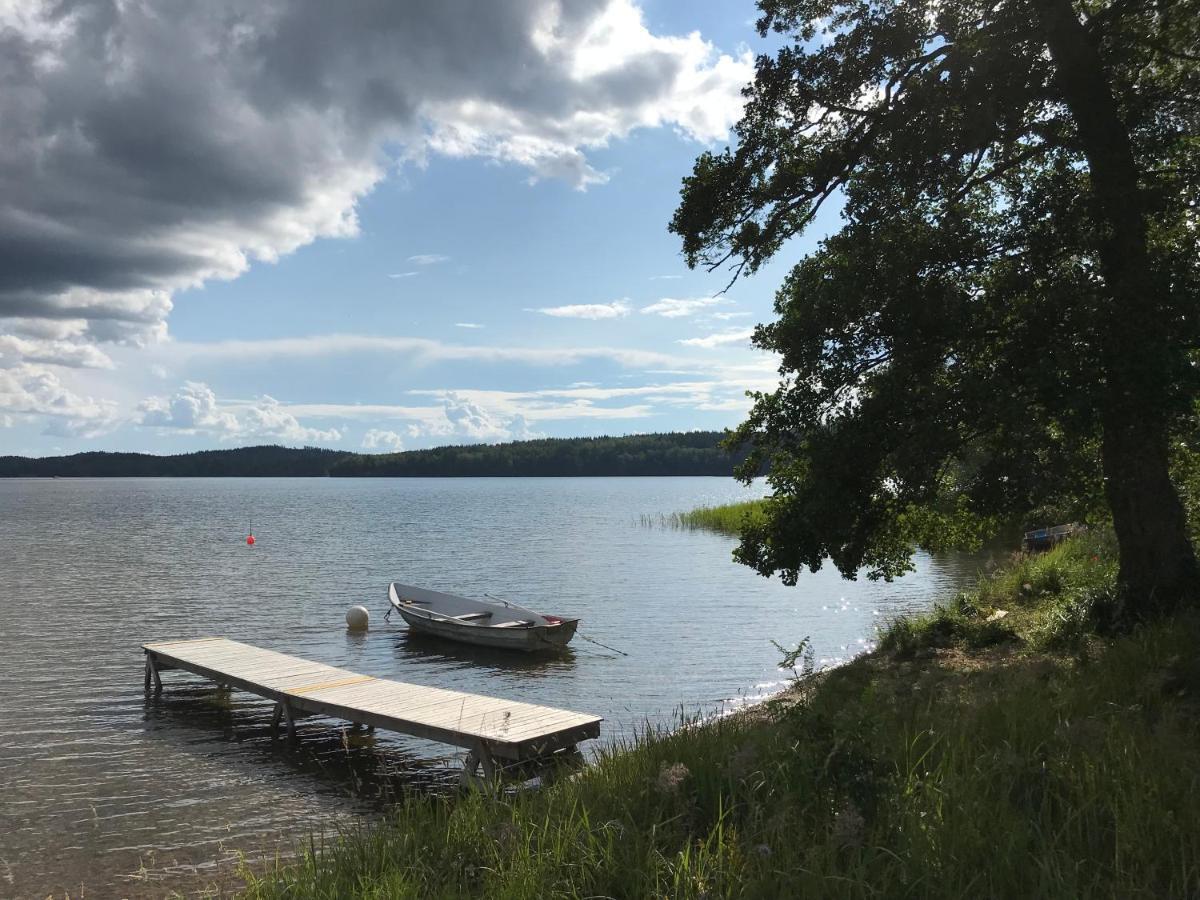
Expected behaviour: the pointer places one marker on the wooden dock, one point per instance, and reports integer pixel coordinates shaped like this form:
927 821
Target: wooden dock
486 726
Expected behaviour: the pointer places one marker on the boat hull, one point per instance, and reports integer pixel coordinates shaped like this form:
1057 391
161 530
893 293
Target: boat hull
537 637
503 625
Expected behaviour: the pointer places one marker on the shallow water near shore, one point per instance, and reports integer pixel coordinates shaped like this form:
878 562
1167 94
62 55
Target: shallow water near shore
104 789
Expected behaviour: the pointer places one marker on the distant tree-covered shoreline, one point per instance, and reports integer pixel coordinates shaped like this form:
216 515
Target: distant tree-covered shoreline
238 462
679 453
690 453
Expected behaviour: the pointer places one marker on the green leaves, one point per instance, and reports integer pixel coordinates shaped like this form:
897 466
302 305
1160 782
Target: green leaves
949 355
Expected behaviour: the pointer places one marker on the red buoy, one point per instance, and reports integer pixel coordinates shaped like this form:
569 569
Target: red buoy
250 540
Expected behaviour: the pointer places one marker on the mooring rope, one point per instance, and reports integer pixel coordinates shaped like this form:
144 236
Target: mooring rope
605 646
582 636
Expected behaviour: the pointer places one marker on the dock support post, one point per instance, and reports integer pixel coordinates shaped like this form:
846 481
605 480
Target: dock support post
278 714
479 756
291 722
152 672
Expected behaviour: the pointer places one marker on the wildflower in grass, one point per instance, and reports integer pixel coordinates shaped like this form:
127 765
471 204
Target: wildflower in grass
670 778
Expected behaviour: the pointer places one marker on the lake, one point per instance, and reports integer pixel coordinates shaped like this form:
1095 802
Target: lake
102 788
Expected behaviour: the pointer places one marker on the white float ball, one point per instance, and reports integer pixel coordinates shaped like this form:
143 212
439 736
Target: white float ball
357 618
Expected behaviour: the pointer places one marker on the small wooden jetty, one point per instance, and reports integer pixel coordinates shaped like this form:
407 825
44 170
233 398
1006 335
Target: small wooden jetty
488 727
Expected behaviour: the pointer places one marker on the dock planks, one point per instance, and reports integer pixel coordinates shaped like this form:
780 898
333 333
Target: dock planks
487 726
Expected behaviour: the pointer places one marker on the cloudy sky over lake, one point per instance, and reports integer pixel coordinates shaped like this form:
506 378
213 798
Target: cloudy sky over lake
369 225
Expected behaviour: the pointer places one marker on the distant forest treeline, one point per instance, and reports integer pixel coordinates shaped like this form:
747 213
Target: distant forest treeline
688 453
243 461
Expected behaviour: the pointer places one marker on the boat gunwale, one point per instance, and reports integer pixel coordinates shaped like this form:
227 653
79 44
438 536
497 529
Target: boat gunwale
430 616
415 606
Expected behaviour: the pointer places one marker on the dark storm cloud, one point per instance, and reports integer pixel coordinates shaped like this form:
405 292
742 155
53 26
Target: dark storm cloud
145 147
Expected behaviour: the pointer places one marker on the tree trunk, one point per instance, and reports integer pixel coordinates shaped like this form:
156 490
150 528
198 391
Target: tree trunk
1158 564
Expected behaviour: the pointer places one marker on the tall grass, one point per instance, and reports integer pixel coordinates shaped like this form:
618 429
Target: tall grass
730 518
1059 600
1041 761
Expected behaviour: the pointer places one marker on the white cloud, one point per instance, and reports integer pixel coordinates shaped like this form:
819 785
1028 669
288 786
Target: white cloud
195 409
693 95
428 259
468 420
616 310
459 414
721 393
417 351
30 389
63 329
379 439
467 325
263 124
268 418
15 350
731 404
548 402
665 277
44 329
368 412
432 419
719 339
726 316
453 417
673 308
403 274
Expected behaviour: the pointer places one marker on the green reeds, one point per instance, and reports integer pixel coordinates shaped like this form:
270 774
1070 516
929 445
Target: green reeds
727 519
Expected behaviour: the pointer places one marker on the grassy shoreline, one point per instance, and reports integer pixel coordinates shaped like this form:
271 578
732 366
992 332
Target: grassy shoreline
997 746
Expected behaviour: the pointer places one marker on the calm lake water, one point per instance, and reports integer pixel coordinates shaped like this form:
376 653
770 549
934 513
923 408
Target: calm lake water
103 789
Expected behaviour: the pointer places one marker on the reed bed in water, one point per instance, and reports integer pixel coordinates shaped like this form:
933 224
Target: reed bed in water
727 519
972 755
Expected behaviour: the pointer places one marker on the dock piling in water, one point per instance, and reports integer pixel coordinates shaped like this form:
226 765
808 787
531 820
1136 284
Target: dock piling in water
487 727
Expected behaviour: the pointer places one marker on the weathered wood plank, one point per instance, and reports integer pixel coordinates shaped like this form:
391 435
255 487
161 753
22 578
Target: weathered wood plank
504 728
523 731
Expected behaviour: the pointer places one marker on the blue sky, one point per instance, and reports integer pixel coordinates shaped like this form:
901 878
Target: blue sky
488 263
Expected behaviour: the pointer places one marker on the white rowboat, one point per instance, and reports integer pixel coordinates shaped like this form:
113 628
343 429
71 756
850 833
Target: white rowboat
486 624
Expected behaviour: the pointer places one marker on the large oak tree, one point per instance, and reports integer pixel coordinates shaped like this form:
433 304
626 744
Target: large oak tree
1009 313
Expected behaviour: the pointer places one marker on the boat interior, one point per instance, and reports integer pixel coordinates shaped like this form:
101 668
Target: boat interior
494 614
